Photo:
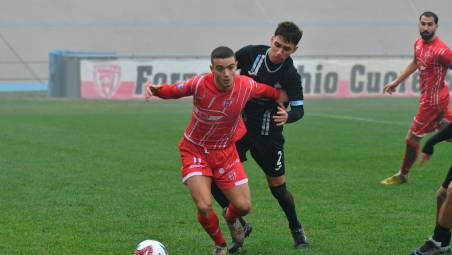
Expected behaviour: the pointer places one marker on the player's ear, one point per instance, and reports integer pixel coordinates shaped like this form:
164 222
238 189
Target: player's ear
211 68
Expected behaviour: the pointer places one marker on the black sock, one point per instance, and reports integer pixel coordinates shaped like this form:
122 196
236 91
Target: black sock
219 196
287 203
441 234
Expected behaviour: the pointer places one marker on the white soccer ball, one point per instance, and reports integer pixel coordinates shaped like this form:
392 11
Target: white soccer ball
150 247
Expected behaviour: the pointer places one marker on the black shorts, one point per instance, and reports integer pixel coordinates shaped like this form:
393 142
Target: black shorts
448 178
267 151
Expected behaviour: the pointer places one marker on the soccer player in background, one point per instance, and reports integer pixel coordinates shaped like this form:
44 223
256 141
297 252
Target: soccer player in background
207 148
431 58
265 119
439 243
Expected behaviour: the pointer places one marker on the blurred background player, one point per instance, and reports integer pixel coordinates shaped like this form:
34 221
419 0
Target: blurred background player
207 148
264 118
439 243
431 58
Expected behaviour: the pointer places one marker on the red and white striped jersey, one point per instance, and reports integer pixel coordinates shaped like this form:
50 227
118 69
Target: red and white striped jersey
433 59
216 120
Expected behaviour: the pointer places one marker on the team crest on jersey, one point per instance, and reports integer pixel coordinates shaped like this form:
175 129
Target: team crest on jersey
278 86
180 86
107 78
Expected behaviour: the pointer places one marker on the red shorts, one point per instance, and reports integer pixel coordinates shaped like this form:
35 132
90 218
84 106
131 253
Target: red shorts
429 118
223 166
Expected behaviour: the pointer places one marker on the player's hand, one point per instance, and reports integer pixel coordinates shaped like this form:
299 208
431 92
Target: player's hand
390 87
283 97
281 115
149 90
424 158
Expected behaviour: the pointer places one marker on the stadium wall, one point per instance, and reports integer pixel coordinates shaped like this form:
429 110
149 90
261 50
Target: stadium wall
124 77
29 30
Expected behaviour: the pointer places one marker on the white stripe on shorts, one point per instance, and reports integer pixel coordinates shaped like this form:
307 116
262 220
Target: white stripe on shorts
185 178
241 182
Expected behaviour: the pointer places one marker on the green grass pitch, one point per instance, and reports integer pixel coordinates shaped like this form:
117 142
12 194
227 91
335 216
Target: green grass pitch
97 177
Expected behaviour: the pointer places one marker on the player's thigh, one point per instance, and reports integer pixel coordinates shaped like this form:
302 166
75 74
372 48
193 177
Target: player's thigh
239 196
199 188
268 152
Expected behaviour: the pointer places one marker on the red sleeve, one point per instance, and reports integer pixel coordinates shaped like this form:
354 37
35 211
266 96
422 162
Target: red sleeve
264 90
445 58
178 90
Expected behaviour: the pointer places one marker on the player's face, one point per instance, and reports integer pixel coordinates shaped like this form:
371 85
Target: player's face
280 49
223 70
427 28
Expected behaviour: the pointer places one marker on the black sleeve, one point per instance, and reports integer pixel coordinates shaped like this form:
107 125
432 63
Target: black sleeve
294 89
242 56
292 84
295 113
442 135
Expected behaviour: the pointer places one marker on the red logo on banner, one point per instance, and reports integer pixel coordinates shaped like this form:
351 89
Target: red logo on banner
107 79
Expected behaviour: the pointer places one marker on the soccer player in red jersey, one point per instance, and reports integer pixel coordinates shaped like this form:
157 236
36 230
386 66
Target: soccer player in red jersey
432 58
207 148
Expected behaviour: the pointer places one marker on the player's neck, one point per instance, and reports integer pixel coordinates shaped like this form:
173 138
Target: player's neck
271 59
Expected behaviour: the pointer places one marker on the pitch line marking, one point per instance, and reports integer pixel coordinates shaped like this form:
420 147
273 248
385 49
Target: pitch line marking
369 120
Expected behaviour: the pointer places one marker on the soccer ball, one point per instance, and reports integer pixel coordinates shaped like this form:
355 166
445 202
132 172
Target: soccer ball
150 247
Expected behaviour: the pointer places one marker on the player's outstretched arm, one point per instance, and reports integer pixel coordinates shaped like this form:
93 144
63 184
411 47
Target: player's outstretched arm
391 87
150 90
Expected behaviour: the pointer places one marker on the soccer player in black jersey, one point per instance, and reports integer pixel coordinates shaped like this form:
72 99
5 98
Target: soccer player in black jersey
264 119
439 242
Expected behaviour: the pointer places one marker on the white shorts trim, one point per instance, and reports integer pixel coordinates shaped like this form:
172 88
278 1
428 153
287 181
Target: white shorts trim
185 178
241 182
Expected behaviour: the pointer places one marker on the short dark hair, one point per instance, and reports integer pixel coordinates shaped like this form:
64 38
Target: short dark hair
430 14
221 52
289 31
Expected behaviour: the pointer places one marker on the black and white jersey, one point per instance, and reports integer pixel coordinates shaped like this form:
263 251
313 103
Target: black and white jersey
253 61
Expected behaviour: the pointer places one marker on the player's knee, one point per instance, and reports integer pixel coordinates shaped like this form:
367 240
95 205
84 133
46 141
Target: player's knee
244 207
204 207
412 141
280 192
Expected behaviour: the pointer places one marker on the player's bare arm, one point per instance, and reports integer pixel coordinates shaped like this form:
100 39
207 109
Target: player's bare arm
391 87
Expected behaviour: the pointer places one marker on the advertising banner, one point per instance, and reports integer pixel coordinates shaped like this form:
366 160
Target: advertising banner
321 77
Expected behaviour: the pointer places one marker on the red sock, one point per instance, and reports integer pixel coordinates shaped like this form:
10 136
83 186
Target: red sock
210 225
231 213
410 156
